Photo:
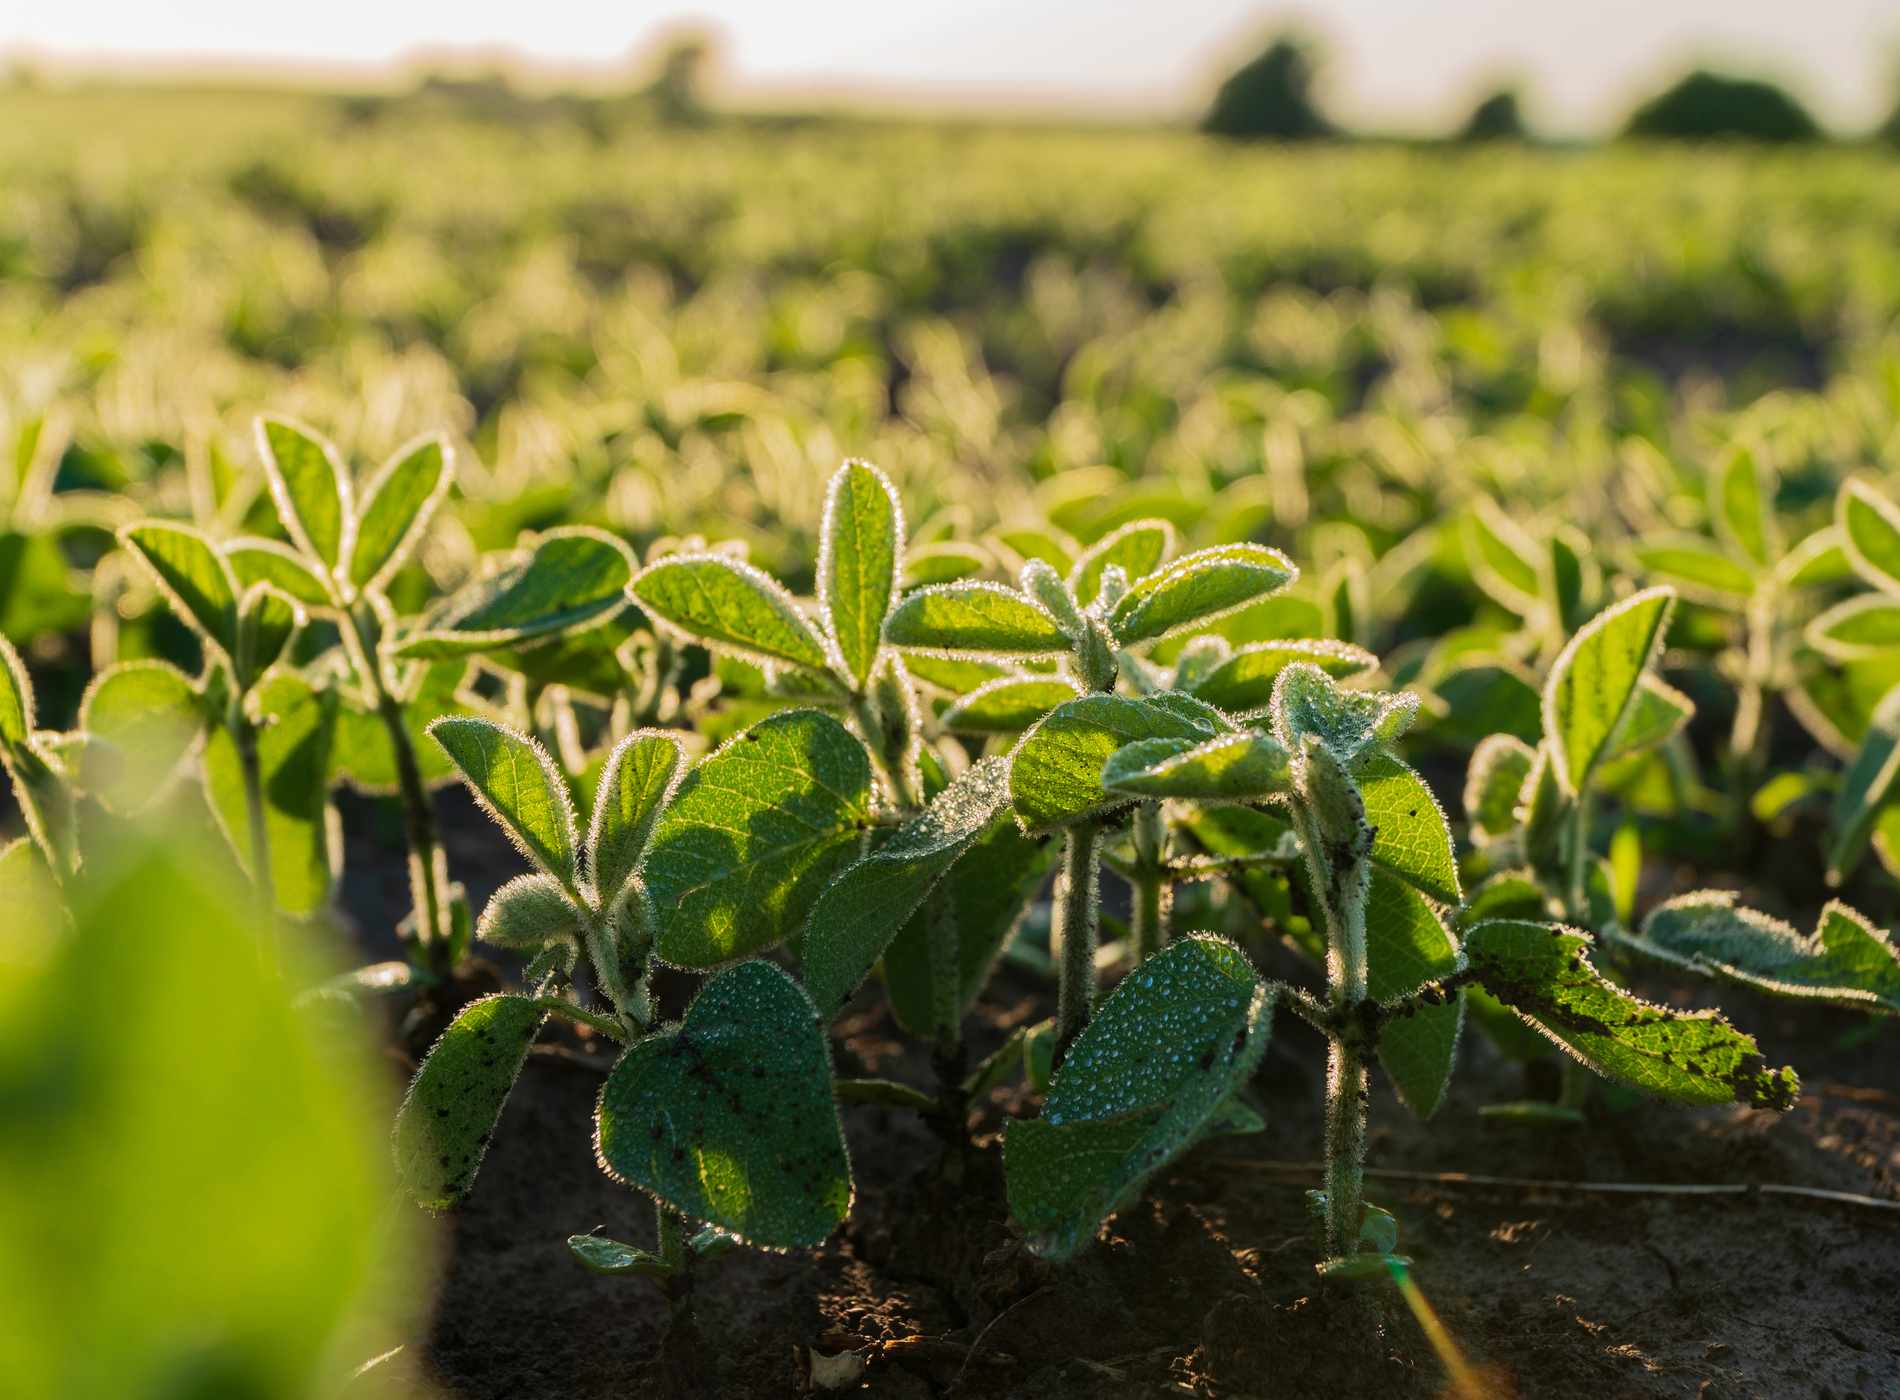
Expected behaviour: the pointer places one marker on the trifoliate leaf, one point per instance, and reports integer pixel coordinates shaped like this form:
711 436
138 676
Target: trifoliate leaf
400 501
528 912
635 784
575 577
308 485
516 781
753 835
1139 1086
1407 945
1137 549
730 1117
1009 704
1410 836
1543 973
863 909
457 1096
1055 775
1308 702
1870 533
1243 681
1846 961
1197 589
975 619
1230 768
1595 679
192 575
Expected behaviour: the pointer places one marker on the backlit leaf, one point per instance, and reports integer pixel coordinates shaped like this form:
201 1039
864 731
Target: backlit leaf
1410 836
975 618
1243 681
148 714
575 577
1230 768
1493 782
1697 567
192 575
1009 704
1055 773
1864 788
1407 945
457 1097
1857 628
1137 549
1742 504
1197 589
1308 702
528 912
293 751
309 486
1594 681
635 784
1503 559
860 546
266 561
516 781
397 507
1870 533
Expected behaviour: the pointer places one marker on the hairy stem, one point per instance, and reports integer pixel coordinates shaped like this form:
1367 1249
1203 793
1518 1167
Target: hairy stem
1075 927
244 734
1152 889
1347 1089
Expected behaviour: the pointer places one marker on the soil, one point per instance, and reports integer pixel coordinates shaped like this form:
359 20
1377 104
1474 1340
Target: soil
1206 1288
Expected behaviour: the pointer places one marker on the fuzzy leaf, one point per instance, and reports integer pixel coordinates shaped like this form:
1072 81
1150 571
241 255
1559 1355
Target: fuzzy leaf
1870 533
528 912
1308 702
148 714
1656 714
862 910
516 781
963 618
754 834
1055 774
267 620
1410 836
17 718
1864 788
1197 589
987 892
1543 973
1502 558
635 784
860 546
1407 945
309 486
1009 704
1595 680
293 752
191 574
946 561
730 606
1230 768
1861 627
730 1117
255 561
457 1096
396 509
1700 569
1120 1108
1846 961
1243 681
576 577
1493 782
1818 561
1742 504
1028 542
1137 549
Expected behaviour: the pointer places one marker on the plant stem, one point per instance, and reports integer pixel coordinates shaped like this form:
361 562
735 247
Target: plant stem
1075 926
244 735
670 1242
1151 887
886 1093
1347 1089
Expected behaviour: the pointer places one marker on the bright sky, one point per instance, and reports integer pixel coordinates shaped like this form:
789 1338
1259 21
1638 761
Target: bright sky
1394 61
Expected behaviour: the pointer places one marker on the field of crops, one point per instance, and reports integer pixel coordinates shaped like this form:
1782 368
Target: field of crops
929 744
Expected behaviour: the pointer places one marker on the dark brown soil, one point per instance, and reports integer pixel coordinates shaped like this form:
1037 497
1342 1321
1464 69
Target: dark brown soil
1207 1287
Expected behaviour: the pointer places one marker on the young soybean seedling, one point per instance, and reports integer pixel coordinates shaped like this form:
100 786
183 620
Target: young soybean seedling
730 1117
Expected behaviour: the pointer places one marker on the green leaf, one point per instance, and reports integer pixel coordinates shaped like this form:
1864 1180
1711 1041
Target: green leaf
1503 559
1055 774
1494 784
986 894
364 753
1870 533
1846 961
864 908
1595 679
191 574
1137 549
1483 697
457 1096
293 753
1861 627
635 784
975 618
309 486
1410 836
149 715
1510 894
576 577
529 912
600 1255
516 782
1053 547
1229 768
267 620
1818 561
728 605
730 1118
1742 504
1543 973
1657 714
1198 589
397 507
256 561
1698 568
860 546
1308 702
1139 1086
946 561
1009 704
1407 945
754 834
17 719
1242 683
1864 788
956 675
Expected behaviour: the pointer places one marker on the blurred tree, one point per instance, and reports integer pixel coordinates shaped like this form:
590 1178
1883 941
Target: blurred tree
1495 118
1271 97
678 88
1705 106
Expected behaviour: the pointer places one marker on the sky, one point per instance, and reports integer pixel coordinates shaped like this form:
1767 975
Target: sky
1394 63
